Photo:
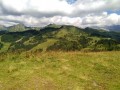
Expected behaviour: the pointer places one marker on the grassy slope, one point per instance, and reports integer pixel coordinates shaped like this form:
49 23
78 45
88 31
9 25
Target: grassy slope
5 46
60 71
44 45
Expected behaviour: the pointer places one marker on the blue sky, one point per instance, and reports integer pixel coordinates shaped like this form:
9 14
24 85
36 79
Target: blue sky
81 13
71 1
113 11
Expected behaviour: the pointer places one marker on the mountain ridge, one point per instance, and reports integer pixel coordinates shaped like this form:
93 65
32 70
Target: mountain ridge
64 38
22 27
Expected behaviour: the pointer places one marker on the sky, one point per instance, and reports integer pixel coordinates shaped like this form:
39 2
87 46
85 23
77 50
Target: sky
81 13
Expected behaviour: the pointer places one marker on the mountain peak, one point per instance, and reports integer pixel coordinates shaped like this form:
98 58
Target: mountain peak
53 26
17 28
2 27
18 25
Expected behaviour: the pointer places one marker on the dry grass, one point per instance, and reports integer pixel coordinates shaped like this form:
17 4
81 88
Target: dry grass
60 71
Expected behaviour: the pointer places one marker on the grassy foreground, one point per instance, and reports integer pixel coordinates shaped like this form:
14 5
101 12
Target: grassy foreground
60 71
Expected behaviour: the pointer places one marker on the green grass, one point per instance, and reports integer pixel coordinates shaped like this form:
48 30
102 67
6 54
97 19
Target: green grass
5 46
61 33
60 71
44 45
31 39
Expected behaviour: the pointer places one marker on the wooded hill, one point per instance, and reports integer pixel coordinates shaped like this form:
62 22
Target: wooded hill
58 38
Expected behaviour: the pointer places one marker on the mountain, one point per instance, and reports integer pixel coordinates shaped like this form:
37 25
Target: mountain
2 28
55 37
113 28
21 28
53 26
17 28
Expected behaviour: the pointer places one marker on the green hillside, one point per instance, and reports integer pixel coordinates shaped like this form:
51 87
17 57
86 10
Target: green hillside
56 37
16 28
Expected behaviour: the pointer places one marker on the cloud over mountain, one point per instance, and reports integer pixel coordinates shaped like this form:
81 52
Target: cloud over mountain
74 12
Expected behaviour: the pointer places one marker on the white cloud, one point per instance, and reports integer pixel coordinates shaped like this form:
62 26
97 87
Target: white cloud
6 23
41 6
42 12
113 18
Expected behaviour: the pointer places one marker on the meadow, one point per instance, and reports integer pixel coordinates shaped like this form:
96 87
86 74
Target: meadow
60 71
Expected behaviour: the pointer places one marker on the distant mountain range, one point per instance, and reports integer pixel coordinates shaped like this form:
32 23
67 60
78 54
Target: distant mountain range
2 28
115 28
17 28
21 27
57 37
